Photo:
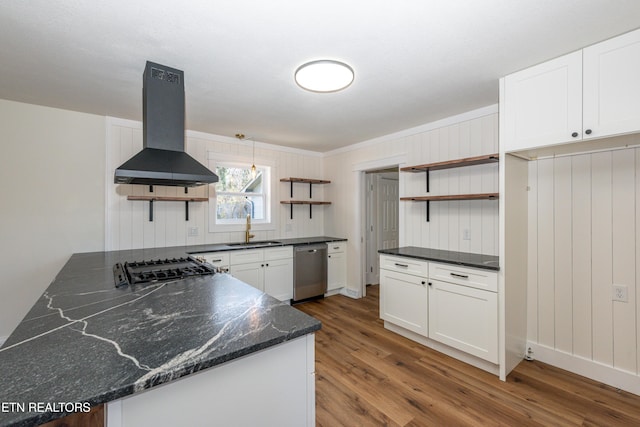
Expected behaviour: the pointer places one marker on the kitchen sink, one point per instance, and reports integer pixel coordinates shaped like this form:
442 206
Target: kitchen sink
255 244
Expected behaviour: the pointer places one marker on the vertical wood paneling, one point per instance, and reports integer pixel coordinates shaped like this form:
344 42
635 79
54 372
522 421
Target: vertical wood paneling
623 259
563 309
601 266
581 254
546 267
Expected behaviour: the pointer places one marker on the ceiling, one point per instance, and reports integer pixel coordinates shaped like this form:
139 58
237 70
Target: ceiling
414 61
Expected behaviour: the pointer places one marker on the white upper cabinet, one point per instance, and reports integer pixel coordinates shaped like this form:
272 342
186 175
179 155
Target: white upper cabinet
544 104
588 94
612 86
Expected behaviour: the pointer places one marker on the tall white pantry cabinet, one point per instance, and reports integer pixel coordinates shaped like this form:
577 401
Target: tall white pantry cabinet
564 119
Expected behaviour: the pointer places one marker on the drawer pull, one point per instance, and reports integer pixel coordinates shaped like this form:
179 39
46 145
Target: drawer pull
464 276
216 260
401 265
336 247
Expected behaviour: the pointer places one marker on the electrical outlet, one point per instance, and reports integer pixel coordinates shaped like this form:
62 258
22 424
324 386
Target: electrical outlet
466 234
193 231
621 293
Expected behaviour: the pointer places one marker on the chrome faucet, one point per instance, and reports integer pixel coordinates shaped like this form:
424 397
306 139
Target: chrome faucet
247 235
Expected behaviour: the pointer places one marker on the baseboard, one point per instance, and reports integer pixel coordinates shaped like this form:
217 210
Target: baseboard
596 371
351 293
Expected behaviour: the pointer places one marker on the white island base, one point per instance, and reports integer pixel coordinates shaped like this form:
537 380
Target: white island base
272 387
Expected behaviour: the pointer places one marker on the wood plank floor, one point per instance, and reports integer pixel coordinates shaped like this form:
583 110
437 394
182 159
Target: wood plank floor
368 376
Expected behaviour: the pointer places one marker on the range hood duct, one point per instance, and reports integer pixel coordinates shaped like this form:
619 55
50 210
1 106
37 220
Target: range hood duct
162 160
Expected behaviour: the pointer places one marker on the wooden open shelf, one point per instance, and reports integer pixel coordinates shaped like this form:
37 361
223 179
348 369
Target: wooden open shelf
152 199
303 202
168 199
450 164
457 163
305 180
429 199
477 196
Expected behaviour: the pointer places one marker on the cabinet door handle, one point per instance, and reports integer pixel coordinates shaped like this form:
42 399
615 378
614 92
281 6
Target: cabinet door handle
336 247
424 283
464 276
401 265
575 134
329 256
588 131
429 283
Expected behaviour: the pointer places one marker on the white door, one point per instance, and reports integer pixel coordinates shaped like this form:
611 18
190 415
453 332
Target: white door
403 300
387 212
464 318
543 104
611 73
252 274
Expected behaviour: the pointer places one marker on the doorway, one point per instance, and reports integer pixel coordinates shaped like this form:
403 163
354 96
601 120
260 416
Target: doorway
382 218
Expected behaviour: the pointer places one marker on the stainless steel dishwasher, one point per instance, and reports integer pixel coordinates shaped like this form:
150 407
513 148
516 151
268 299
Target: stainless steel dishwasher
310 271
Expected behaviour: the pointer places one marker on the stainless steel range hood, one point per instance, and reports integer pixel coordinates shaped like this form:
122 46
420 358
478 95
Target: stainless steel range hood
162 160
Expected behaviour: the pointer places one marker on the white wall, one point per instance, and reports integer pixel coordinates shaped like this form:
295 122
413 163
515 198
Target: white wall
128 224
471 134
52 190
584 236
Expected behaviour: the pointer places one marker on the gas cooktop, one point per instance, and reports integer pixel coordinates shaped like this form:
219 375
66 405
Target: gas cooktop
131 273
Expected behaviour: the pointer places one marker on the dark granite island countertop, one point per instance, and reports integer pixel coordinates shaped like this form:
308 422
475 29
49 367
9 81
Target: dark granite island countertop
487 262
86 341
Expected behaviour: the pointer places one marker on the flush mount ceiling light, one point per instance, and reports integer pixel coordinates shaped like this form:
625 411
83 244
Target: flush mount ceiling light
323 76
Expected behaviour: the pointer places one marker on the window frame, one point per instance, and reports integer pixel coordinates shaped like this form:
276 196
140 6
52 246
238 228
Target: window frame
269 222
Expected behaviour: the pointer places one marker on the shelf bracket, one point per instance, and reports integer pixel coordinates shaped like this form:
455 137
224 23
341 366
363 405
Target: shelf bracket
310 210
427 207
427 174
291 190
310 187
151 189
291 210
186 209
150 210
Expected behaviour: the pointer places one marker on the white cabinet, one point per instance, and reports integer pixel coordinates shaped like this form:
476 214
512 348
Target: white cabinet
591 93
269 270
278 278
463 309
611 80
403 297
336 266
543 104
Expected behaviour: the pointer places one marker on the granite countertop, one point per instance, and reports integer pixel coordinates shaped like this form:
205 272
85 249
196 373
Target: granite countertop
487 262
86 341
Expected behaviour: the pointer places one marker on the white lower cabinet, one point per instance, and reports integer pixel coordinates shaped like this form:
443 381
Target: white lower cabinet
464 318
251 273
336 266
278 278
403 300
444 303
269 270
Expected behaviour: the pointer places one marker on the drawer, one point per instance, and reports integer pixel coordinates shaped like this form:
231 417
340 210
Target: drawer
281 252
217 259
246 256
466 276
404 265
335 247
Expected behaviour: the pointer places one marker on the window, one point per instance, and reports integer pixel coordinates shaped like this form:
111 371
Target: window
239 193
